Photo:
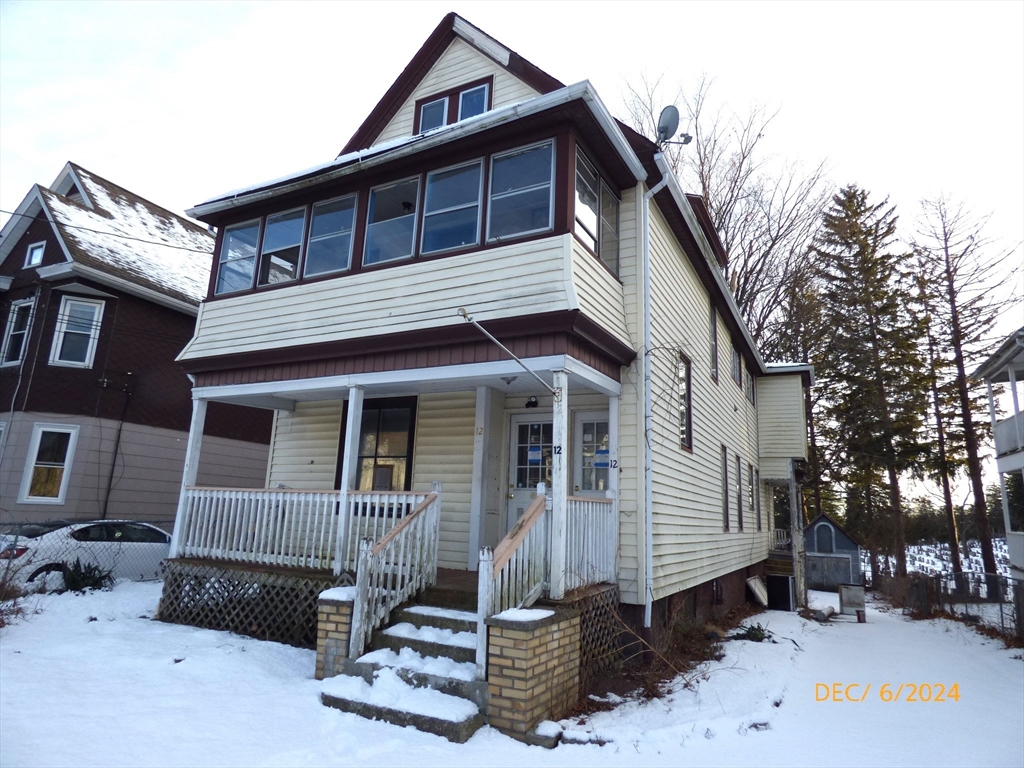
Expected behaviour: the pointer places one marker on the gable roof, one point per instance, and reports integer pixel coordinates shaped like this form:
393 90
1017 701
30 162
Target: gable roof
996 369
114 236
451 26
835 523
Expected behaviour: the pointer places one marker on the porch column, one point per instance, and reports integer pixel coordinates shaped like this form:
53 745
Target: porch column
613 474
188 476
349 470
559 482
478 492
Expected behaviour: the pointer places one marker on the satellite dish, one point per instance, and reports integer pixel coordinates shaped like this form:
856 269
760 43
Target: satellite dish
668 123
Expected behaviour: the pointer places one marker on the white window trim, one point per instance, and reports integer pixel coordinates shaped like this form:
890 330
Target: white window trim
479 207
62 322
486 89
28 254
444 113
415 221
30 462
551 195
10 327
309 239
299 265
221 261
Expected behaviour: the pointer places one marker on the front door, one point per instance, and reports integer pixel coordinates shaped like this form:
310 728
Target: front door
529 462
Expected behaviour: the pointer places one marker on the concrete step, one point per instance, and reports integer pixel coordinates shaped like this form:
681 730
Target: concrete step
454 678
436 616
390 698
427 641
448 598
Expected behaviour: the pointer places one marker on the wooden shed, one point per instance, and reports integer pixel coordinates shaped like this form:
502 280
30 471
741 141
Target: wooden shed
833 555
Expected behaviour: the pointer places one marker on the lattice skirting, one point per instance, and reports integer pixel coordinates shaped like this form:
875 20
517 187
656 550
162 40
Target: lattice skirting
268 604
601 630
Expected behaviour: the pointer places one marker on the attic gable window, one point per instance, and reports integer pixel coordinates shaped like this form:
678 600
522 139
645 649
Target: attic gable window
34 255
597 214
238 257
468 100
473 102
433 114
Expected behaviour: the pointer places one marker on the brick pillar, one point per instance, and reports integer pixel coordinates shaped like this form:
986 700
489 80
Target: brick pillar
533 670
334 622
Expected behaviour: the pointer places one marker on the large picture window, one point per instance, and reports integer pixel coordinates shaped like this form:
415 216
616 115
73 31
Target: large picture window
237 257
597 214
521 196
282 243
451 209
391 222
48 468
330 236
19 323
77 332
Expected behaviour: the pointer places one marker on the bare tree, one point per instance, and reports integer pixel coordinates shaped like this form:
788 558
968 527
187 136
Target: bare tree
764 211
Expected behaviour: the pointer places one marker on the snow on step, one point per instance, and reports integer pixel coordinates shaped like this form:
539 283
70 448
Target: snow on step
441 613
391 692
436 635
414 662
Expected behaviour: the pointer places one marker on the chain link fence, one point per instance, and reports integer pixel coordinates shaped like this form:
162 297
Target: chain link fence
58 555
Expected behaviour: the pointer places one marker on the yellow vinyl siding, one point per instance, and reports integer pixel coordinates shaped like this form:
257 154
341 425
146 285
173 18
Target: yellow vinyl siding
461 63
598 292
444 452
524 278
782 425
304 446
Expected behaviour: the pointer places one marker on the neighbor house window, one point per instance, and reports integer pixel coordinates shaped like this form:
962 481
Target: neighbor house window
385 446
713 321
76 334
34 255
19 322
391 222
49 464
451 208
282 243
521 195
330 236
737 367
725 489
433 114
237 257
685 404
739 492
597 213
757 496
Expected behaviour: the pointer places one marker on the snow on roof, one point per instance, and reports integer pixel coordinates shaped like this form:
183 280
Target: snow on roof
130 238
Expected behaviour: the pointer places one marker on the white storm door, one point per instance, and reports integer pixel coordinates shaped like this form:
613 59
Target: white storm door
530 439
591 458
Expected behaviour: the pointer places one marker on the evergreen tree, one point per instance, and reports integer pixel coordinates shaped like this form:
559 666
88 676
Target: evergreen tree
879 383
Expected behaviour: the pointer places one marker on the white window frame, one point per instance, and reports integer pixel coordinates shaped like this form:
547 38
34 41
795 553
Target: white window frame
15 305
221 261
264 254
444 113
483 86
417 207
425 214
551 191
29 261
62 323
310 239
30 463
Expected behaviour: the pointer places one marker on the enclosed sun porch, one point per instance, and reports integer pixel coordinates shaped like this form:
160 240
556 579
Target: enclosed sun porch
381 479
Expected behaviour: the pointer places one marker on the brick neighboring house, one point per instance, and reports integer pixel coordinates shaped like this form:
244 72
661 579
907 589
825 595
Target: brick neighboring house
99 291
500 352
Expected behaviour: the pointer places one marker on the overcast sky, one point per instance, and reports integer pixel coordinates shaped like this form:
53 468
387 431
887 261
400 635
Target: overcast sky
181 101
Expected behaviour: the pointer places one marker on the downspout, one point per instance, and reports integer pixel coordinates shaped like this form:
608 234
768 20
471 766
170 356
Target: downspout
648 420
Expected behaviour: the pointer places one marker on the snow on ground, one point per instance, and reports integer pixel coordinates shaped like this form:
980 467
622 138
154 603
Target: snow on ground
90 680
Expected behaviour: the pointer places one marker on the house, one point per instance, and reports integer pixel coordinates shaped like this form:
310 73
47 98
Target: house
99 291
495 338
1006 366
833 555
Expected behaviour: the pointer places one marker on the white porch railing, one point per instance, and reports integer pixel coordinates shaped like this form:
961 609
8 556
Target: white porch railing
286 527
289 528
592 542
780 539
394 569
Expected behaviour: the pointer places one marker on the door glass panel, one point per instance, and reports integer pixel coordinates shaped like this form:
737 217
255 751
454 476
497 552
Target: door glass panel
594 456
533 454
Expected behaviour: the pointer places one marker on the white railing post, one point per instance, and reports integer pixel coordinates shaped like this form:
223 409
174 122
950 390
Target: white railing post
191 470
359 608
484 601
559 482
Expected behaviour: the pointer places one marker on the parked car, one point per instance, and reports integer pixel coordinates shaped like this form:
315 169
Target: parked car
36 555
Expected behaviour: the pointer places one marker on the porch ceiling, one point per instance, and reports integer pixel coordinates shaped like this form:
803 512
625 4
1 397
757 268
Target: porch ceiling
504 375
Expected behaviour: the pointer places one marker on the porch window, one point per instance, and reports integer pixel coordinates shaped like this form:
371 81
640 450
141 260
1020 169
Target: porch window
594 456
282 242
19 321
385 447
597 214
330 236
521 196
238 257
451 210
49 465
685 403
725 489
77 333
391 223
739 491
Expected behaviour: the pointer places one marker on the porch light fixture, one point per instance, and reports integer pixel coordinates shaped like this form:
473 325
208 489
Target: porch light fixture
532 402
